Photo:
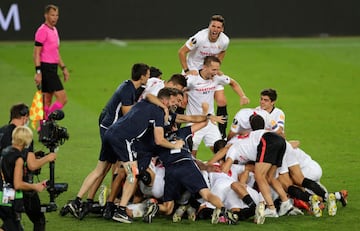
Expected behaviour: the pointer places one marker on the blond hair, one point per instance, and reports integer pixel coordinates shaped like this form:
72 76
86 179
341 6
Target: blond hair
22 136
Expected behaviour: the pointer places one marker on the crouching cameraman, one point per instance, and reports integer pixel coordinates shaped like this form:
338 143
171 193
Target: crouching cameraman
19 116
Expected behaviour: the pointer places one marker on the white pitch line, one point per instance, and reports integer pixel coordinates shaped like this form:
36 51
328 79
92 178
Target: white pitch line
116 42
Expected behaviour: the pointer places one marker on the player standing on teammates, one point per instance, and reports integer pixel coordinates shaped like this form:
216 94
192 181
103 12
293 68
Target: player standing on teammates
47 59
201 89
210 41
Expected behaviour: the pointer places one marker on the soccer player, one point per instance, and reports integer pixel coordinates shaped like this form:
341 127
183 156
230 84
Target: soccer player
300 171
154 85
241 122
266 149
118 105
201 89
133 137
268 98
47 59
210 41
182 172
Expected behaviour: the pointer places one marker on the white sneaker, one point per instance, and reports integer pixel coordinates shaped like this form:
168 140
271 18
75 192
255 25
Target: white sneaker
285 207
331 203
295 211
270 213
179 213
260 214
315 202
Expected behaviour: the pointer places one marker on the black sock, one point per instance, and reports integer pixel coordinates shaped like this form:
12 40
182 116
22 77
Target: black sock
315 187
222 111
296 192
245 213
249 201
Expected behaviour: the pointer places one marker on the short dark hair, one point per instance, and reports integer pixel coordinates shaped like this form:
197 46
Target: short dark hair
178 79
219 18
177 91
155 72
19 110
166 92
209 59
138 70
269 92
256 122
219 144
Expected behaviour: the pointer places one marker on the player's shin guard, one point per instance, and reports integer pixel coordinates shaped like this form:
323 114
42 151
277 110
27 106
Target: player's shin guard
296 192
222 111
315 187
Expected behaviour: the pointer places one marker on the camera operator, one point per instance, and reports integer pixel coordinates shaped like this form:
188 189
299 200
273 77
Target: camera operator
19 116
13 185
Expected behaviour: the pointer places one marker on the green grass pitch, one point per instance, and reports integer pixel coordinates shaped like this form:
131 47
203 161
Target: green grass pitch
317 82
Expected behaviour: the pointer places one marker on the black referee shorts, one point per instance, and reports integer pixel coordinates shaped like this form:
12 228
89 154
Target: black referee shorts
50 78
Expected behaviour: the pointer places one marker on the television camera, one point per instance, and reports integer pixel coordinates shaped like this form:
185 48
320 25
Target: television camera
52 135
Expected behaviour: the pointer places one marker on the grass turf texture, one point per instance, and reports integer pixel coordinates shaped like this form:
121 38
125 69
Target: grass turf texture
317 82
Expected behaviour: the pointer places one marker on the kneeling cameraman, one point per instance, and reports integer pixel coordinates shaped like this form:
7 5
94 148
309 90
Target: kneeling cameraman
19 116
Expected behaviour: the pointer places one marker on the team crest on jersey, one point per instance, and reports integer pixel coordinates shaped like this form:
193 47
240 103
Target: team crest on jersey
273 123
282 117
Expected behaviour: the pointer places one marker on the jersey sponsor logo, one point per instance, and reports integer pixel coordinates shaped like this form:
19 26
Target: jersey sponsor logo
204 53
205 90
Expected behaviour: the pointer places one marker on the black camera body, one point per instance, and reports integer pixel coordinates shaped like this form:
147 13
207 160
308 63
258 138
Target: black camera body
52 135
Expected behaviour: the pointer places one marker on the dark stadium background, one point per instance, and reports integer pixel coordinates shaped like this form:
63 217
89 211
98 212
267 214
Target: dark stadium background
144 19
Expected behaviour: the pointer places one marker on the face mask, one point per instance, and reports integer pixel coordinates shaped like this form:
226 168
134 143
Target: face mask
27 123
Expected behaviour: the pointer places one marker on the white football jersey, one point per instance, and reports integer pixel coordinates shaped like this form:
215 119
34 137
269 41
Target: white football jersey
153 86
244 148
303 158
202 91
200 47
277 119
241 121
